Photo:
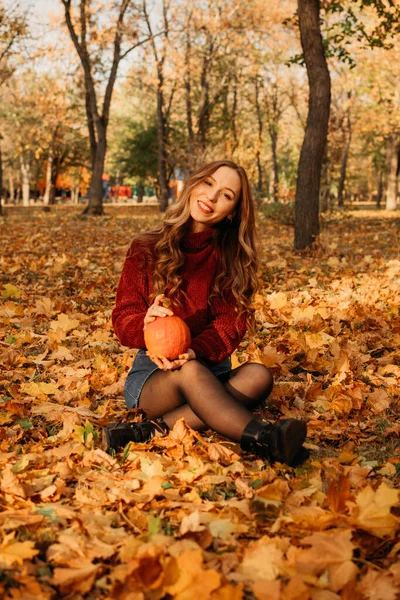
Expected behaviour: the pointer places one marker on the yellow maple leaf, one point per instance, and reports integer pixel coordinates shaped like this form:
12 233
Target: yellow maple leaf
193 580
62 353
371 510
12 552
75 580
378 401
64 322
44 306
331 551
10 291
262 559
277 300
36 389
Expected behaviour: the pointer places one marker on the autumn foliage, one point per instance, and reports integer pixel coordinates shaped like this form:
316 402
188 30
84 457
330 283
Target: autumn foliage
188 515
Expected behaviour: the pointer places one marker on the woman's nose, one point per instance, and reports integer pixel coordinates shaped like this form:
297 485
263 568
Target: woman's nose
212 195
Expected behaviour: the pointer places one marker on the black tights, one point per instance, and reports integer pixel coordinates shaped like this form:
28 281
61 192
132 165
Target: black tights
196 394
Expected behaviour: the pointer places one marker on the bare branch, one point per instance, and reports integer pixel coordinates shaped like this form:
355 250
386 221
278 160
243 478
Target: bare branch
151 35
115 63
82 52
148 39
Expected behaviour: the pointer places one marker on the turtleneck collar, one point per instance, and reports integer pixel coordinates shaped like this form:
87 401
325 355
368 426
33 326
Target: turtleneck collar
198 241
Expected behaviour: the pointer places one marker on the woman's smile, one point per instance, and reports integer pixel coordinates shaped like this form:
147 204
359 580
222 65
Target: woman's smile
206 208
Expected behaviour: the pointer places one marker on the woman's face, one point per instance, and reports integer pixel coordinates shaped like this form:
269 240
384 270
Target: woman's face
214 198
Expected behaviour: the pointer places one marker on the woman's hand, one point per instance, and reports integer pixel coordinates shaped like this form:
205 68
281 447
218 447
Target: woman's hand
171 365
156 310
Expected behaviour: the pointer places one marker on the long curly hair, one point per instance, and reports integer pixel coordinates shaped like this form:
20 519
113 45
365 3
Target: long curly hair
235 241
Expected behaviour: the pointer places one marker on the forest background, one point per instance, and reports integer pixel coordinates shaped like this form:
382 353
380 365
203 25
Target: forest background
144 92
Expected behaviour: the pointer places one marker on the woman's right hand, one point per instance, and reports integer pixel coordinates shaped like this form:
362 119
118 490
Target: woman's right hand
171 365
156 310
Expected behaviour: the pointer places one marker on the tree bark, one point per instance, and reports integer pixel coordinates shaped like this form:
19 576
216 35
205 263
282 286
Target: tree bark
344 161
273 131
91 129
325 184
204 103
312 151
95 205
46 196
11 185
1 178
259 138
379 194
188 99
162 146
140 192
392 157
343 171
234 114
26 180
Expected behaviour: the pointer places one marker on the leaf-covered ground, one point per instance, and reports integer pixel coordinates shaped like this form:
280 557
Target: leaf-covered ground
189 516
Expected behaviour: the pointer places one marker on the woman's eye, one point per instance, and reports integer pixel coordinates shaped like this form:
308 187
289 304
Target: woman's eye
208 182
227 196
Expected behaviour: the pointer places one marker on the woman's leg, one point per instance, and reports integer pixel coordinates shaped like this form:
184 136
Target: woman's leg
250 384
193 392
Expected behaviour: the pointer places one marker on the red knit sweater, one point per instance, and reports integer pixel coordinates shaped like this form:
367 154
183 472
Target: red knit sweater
216 331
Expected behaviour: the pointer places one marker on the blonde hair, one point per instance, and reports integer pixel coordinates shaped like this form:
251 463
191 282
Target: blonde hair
234 240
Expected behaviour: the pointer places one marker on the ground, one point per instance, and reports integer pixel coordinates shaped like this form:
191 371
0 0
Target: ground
190 516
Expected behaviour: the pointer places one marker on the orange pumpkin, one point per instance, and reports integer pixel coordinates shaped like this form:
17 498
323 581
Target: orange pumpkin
167 336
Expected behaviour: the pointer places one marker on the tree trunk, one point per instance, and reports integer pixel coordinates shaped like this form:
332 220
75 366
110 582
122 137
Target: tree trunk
140 192
91 128
234 114
204 103
325 184
392 157
11 185
162 146
379 194
259 139
46 196
275 167
343 168
95 204
75 192
312 151
55 169
188 98
26 180
1 179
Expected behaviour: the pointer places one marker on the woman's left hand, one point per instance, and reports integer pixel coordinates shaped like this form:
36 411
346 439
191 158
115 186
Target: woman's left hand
171 365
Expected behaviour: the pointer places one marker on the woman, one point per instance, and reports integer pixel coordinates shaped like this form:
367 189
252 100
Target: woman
203 259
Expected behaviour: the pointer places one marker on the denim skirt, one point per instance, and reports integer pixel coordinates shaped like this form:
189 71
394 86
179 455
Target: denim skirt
143 367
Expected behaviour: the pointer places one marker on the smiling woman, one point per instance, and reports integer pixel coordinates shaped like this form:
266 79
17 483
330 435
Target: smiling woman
203 260
215 198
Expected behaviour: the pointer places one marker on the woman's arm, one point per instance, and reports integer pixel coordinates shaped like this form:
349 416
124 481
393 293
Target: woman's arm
222 335
131 301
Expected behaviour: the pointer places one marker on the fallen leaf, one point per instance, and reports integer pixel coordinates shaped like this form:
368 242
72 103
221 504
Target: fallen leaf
372 510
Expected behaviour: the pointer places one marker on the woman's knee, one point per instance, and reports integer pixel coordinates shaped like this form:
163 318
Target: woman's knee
260 378
191 365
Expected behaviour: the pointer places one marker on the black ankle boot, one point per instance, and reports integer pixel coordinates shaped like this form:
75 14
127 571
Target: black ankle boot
117 435
277 443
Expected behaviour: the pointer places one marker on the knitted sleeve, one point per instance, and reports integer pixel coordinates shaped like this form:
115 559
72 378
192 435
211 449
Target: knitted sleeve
131 301
222 335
